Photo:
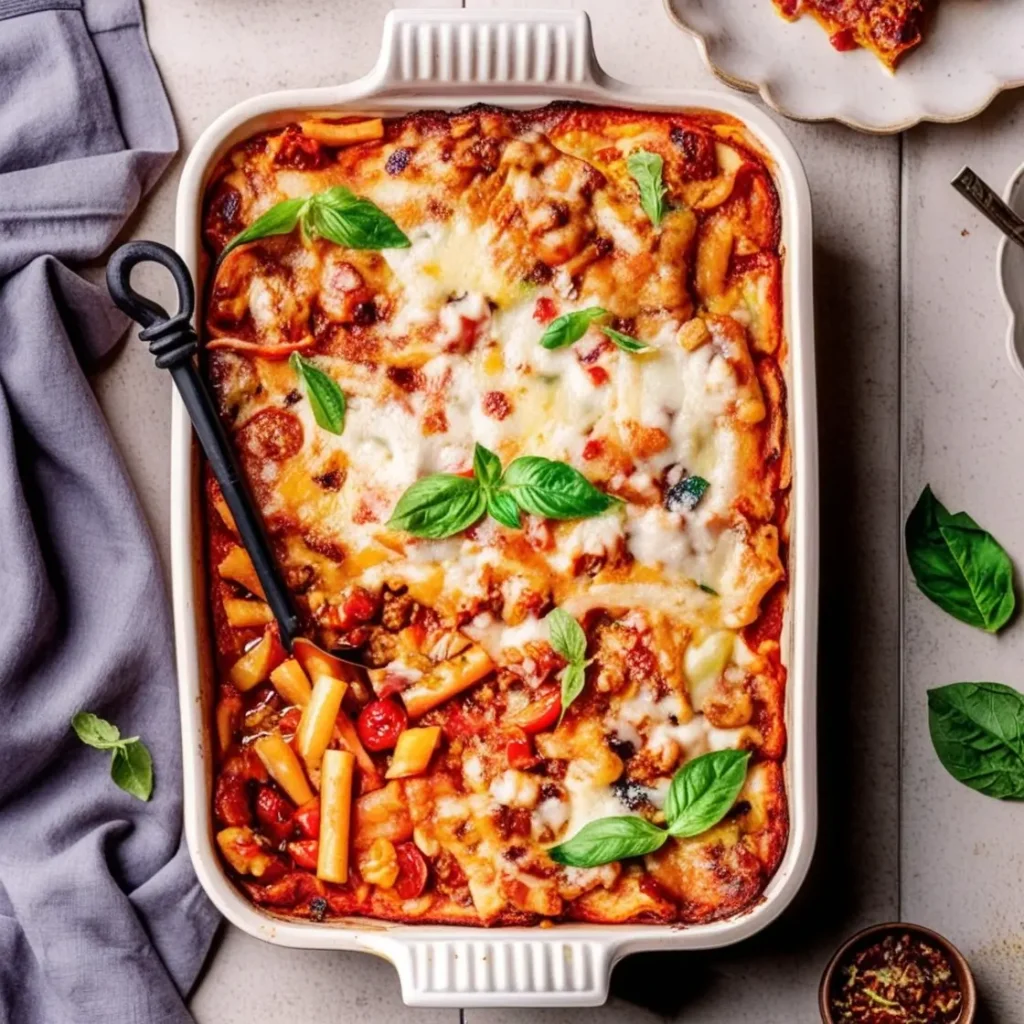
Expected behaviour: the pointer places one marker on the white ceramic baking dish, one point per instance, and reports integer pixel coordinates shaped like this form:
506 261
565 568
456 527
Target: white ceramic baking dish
444 60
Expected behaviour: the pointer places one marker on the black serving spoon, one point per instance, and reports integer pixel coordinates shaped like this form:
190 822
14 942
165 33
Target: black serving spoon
173 341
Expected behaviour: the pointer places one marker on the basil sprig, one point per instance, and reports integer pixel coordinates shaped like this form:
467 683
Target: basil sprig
958 565
977 730
444 504
646 169
337 214
326 399
568 639
701 794
568 328
131 766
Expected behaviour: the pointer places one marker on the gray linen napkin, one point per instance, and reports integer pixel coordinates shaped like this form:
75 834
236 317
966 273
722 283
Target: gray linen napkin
101 917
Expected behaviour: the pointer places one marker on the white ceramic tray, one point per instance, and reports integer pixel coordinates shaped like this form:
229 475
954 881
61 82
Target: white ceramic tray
973 49
447 59
1011 276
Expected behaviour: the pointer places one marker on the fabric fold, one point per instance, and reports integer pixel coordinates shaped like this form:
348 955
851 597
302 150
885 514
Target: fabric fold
101 917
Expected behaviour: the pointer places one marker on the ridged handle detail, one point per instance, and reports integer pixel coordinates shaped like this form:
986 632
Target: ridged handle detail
504 972
552 48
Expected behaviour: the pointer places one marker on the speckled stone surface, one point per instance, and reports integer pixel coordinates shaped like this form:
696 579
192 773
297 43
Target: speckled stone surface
963 431
956 417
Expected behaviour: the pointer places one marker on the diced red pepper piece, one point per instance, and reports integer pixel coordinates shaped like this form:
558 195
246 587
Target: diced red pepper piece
305 853
519 751
307 819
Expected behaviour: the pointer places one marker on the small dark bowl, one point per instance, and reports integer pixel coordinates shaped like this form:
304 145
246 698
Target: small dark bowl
878 932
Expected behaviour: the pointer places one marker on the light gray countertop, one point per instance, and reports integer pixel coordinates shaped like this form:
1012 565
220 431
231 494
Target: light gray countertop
914 387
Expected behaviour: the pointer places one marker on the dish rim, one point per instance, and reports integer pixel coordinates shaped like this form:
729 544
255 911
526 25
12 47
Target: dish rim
764 92
1015 184
468 966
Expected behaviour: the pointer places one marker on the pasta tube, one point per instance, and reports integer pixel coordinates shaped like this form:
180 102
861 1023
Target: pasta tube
446 680
335 816
284 767
242 614
258 662
331 134
316 727
237 565
413 751
290 681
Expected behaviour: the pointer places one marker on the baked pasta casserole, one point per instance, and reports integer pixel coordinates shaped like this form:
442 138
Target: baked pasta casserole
508 389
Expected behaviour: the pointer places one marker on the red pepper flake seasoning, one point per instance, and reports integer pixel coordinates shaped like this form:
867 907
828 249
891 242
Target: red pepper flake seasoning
902 979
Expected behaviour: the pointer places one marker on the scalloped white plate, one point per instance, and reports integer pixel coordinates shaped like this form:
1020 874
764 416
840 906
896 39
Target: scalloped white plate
973 49
1011 276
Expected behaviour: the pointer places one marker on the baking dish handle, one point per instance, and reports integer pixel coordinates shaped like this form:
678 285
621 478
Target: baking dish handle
548 971
549 50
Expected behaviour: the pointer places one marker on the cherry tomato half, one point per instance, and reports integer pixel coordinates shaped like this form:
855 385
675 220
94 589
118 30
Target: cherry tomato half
305 853
274 814
412 871
380 724
541 713
307 819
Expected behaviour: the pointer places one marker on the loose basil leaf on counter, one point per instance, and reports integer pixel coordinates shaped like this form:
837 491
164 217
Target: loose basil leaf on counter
326 399
131 766
958 565
336 214
977 730
646 170
607 840
96 731
703 790
570 327
280 219
439 506
554 489
566 635
624 341
132 769
344 218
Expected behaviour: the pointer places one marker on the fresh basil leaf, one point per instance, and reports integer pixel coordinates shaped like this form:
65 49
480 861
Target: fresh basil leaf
280 219
96 731
486 467
502 506
566 635
439 506
132 769
624 341
958 565
554 489
570 327
703 790
574 678
607 840
977 730
646 170
326 399
686 495
349 220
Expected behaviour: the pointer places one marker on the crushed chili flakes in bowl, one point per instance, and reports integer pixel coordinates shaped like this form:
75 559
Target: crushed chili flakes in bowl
897 974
